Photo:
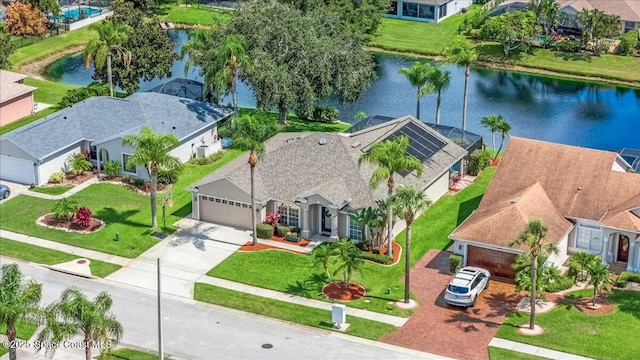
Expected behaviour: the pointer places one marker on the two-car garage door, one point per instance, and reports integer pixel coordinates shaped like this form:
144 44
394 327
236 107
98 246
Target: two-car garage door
225 212
16 170
497 262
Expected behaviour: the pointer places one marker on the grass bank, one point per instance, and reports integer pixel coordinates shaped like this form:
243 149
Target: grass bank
194 15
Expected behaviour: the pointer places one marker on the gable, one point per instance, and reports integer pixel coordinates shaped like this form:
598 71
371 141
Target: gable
225 189
8 148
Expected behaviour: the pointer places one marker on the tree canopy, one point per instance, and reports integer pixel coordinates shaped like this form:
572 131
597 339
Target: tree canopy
596 26
512 30
6 48
24 20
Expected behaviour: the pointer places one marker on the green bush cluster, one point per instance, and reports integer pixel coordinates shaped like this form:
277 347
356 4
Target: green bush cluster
562 283
264 231
76 95
207 160
479 160
567 45
455 262
138 181
57 177
168 177
628 43
626 276
377 258
111 169
283 230
323 114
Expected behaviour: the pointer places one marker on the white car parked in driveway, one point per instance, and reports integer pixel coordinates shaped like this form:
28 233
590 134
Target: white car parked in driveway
466 285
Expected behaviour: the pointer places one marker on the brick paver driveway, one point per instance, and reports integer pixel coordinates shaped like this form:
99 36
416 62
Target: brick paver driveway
446 330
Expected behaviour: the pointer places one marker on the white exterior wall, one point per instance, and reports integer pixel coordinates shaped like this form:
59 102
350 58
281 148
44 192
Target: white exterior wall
88 21
438 188
561 257
56 164
453 7
208 137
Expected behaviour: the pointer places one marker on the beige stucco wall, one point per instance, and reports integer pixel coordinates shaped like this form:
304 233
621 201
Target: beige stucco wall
223 188
438 188
57 163
16 108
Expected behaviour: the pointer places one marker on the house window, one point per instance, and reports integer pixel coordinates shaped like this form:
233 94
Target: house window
443 11
589 238
126 165
393 8
355 233
93 153
628 26
289 215
426 11
410 9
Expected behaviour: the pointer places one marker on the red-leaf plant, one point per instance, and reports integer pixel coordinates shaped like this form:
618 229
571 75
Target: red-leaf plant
83 217
272 218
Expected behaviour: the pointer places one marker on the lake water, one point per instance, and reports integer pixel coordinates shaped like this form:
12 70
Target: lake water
580 113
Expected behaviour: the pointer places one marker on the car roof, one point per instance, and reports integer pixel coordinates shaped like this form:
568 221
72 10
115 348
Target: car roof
464 277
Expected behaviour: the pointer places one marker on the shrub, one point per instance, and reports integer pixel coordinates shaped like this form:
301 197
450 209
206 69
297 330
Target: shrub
138 181
323 114
207 160
126 179
83 217
167 177
76 95
567 45
375 251
626 276
479 160
283 230
272 218
57 177
79 163
377 258
562 283
455 262
264 231
628 43
64 209
111 169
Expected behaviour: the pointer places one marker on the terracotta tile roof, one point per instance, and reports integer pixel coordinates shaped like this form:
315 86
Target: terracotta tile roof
10 88
628 10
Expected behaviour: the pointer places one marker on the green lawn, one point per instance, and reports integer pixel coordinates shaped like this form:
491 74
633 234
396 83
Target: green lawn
49 92
272 269
24 330
194 15
597 336
41 255
287 311
296 124
496 353
52 190
26 120
130 354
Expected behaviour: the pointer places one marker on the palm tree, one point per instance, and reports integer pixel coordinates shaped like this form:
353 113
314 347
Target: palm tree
578 263
152 152
74 313
491 122
460 54
390 156
503 127
600 278
439 80
350 259
249 133
408 201
550 11
363 218
198 45
321 255
19 300
418 76
110 38
532 237
546 274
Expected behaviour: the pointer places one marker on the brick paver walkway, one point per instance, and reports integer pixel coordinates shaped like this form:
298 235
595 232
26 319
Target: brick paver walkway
445 330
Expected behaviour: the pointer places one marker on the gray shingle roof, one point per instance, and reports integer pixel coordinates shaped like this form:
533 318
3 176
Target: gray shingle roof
101 118
296 165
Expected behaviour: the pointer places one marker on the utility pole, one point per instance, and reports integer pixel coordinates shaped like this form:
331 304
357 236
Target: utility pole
160 347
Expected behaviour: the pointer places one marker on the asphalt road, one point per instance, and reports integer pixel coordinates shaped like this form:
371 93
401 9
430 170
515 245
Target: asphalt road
194 330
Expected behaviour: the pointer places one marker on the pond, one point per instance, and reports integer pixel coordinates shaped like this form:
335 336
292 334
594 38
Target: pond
571 112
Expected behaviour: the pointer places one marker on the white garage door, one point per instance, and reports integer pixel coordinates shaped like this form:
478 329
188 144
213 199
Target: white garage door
16 170
225 212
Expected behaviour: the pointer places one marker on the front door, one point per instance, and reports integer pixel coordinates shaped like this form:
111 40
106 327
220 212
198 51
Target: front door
623 248
325 220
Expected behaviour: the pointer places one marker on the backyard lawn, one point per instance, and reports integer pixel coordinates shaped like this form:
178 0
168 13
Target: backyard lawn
273 269
570 330
192 15
26 120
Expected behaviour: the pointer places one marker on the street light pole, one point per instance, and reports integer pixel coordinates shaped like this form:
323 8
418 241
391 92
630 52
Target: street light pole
160 347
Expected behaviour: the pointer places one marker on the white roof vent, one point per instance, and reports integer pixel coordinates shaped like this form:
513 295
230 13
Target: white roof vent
322 141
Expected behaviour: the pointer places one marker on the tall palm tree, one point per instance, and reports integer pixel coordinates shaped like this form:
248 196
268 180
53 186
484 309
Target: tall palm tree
197 47
550 11
491 122
110 38
440 81
19 300
532 237
460 54
408 201
600 278
152 152
321 255
503 127
74 313
390 157
418 76
250 132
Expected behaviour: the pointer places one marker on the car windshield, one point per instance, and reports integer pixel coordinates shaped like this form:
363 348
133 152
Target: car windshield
458 289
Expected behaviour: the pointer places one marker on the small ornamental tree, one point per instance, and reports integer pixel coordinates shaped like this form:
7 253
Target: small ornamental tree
83 217
64 209
79 163
24 20
272 218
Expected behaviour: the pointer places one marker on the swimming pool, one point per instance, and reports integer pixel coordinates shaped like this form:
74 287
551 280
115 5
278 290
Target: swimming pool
75 14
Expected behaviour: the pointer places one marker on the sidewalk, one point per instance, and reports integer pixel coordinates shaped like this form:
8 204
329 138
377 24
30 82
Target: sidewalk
249 289
73 190
534 350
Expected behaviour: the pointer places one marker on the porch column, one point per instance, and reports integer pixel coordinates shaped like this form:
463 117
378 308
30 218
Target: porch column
306 222
605 251
334 222
637 242
632 255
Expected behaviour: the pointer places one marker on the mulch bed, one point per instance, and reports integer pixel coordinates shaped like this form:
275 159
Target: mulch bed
397 251
301 243
336 291
72 179
50 221
602 300
144 189
248 247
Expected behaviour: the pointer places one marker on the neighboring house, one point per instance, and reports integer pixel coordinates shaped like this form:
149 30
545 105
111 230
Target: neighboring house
313 180
426 10
16 98
586 198
30 154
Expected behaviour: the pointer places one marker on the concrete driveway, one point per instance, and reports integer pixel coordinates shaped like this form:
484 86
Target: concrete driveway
446 330
15 188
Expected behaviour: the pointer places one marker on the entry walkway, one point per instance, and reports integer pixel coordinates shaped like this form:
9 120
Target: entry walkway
534 350
73 190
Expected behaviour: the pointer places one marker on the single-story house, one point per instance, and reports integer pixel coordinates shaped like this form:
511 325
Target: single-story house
426 10
16 98
313 179
97 125
588 199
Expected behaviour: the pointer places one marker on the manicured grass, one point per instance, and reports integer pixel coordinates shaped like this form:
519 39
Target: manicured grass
496 353
194 15
124 211
26 120
296 124
24 330
50 46
52 190
48 92
41 255
130 354
287 311
597 336
272 269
